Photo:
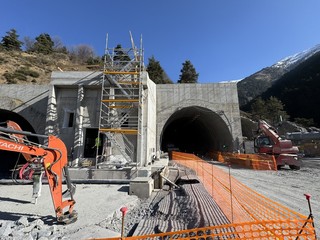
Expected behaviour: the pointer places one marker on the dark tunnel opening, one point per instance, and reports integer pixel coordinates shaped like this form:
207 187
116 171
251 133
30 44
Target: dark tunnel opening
196 130
10 160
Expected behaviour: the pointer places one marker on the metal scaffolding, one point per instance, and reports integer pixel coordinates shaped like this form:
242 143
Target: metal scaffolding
120 107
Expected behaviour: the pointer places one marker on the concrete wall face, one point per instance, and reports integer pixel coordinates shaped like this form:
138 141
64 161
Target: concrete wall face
218 97
29 101
66 106
149 117
70 108
73 108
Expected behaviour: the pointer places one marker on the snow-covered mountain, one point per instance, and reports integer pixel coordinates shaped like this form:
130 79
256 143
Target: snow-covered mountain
257 83
292 61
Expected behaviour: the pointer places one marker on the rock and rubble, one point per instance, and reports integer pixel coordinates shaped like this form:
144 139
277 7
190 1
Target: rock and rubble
23 229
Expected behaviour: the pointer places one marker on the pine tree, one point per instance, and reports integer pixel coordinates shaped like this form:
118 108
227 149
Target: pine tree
188 73
43 44
156 73
258 109
272 109
11 41
276 110
120 55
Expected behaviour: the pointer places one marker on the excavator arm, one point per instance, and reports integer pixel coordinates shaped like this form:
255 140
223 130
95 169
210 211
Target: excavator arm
53 157
269 131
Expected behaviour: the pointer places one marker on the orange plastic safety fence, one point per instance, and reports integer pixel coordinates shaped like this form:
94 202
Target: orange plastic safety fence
253 161
252 215
238 202
281 229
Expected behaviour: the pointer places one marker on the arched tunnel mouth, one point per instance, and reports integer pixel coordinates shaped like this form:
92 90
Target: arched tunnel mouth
11 160
196 130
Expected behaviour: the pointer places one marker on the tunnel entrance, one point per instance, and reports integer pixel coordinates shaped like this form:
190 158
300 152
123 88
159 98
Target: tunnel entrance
196 130
10 160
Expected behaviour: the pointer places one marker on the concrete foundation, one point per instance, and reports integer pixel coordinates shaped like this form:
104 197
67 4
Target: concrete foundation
102 174
141 187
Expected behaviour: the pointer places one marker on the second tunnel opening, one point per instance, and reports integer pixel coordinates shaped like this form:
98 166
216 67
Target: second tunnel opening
196 130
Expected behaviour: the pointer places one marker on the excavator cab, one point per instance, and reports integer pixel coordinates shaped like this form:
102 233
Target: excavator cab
263 144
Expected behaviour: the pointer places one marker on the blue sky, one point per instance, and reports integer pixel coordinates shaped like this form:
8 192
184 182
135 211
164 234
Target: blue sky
224 39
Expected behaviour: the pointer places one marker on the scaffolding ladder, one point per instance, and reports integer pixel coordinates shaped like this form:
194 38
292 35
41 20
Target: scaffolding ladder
120 107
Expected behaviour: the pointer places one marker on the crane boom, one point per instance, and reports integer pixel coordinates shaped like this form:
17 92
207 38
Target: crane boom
269 142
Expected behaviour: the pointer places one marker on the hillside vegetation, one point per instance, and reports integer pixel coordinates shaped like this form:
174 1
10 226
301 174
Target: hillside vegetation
17 67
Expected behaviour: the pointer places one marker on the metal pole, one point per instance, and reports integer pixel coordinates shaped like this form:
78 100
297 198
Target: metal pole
308 196
123 210
230 194
212 180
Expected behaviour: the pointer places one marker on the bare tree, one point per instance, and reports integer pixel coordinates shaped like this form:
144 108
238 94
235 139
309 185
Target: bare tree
28 44
81 53
58 45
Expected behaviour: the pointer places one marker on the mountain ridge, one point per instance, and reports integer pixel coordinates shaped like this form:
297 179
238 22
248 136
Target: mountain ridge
257 83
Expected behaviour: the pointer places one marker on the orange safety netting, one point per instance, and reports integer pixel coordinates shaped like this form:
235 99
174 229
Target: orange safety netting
238 202
253 161
252 215
280 230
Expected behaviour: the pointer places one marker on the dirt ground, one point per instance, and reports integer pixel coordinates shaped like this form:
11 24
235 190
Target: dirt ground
99 206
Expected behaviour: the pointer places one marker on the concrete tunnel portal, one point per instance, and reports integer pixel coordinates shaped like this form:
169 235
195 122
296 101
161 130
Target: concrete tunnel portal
11 160
196 130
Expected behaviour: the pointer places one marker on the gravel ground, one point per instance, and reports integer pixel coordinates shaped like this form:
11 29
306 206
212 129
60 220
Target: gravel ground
98 206
285 186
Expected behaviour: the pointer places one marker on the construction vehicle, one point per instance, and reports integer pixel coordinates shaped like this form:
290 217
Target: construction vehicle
269 142
50 158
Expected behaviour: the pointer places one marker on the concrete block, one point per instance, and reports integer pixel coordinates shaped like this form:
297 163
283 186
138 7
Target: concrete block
158 180
76 173
144 172
123 173
100 174
156 168
141 187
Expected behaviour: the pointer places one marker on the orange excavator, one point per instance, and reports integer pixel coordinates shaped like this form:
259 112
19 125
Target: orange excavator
51 158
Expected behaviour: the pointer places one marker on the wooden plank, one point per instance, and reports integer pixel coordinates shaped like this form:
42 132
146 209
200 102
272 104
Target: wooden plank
117 130
121 100
119 72
122 106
